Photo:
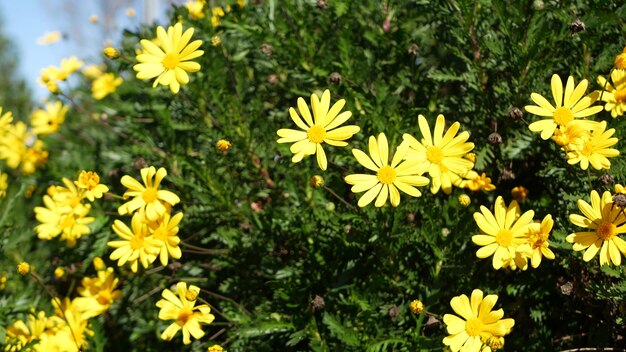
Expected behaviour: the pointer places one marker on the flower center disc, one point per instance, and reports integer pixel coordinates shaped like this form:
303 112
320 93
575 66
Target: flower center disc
620 95
316 134
434 154
504 238
562 116
149 195
170 61
474 327
136 242
386 175
184 315
605 231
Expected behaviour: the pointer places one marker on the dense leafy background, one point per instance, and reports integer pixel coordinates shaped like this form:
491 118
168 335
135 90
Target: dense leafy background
472 61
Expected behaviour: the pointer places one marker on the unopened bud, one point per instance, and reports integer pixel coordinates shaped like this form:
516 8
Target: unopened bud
321 4
464 200
23 268
316 181
191 295
223 145
317 303
111 53
416 306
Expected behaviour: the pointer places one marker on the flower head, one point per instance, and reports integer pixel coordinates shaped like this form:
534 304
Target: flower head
519 193
165 229
89 183
593 148
136 245
48 121
538 234
215 348
223 145
464 200
620 60
614 94
569 105
442 155
195 8
147 196
111 53
416 306
49 38
322 127
182 308
104 85
502 232
475 321
23 268
390 176
98 293
604 223
169 59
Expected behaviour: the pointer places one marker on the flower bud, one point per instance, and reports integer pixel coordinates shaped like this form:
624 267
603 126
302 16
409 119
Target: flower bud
416 306
23 268
111 53
495 138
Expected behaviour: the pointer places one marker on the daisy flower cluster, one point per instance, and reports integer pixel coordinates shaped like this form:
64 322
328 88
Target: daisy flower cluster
52 75
154 228
20 146
585 142
512 238
444 154
66 208
68 328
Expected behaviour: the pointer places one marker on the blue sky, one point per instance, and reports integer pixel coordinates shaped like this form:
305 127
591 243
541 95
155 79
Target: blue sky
24 21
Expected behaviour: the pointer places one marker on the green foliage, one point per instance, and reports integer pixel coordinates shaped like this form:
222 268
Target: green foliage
262 243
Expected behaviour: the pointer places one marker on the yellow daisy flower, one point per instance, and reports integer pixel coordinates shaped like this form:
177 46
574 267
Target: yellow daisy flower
69 222
183 310
604 222
147 196
165 229
3 184
502 233
475 182
569 105
442 155
98 293
169 59
538 234
389 176
89 183
620 60
196 9
104 85
614 95
321 128
593 148
136 244
475 321
48 121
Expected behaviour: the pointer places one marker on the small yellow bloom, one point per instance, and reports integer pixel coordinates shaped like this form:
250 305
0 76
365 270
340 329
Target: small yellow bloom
464 200
478 182
215 348
23 268
111 53
316 181
416 306
519 193
538 240
59 272
47 121
93 19
471 157
186 314
135 246
98 264
3 281
223 145
620 60
89 182
216 40
130 12
105 85
593 148
3 185
49 38
196 9
94 71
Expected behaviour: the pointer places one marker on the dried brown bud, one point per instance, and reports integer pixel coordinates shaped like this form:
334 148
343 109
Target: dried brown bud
335 78
321 4
506 175
266 49
516 114
414 49
576 26
317 303
495 138
394 311
272 79
607 179
620 200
